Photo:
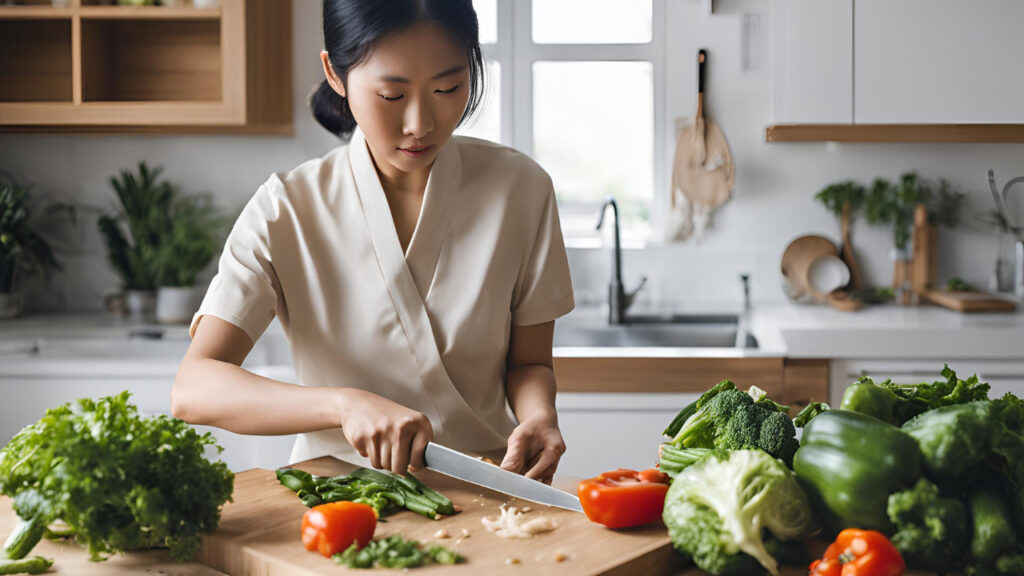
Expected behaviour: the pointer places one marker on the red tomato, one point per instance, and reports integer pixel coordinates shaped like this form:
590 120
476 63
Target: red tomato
624 498
333 527
860 553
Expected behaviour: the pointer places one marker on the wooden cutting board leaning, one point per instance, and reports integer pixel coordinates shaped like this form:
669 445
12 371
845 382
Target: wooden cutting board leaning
259 533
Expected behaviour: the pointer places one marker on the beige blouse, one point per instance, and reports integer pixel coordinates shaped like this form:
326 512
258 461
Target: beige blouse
429 328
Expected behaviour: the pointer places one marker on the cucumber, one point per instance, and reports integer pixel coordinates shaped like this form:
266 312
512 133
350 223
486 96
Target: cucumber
26 535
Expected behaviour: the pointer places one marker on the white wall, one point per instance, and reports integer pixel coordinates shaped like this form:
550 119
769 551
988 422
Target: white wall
772 204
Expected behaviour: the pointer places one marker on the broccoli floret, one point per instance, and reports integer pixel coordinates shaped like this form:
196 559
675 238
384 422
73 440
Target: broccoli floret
932 532
684 414
732 420
700 430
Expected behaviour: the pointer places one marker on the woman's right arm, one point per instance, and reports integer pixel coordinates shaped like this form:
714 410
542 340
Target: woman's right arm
212 388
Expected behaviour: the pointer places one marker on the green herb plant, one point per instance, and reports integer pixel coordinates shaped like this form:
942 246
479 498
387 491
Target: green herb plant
119 481
840 194
196 231
893 204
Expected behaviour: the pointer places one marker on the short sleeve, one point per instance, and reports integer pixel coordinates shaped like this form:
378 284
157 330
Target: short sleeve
543 290
245 290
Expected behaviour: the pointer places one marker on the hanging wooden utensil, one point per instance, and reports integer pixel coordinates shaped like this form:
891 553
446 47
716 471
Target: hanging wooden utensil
703 173
846 249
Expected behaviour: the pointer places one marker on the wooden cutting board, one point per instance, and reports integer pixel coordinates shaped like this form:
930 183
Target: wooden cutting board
259 533
969 301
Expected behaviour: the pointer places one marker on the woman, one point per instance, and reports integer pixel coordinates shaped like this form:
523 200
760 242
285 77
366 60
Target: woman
417 275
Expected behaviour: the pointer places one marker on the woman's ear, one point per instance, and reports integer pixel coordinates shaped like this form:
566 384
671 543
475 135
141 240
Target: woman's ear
332 78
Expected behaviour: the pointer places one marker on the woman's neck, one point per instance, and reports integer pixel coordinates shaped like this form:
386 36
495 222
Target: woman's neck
395 181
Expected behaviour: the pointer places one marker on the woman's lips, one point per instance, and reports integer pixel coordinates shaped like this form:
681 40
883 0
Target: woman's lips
416 152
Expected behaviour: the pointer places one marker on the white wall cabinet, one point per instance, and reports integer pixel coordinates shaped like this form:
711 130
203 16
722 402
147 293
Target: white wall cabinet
812 73
918 61
605 431
877 62
1002 376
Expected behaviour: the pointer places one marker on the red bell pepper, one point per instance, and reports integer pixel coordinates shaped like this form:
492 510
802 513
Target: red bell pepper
333 527
624 498
860 553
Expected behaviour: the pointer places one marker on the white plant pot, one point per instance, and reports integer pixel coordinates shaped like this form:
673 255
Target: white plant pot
140 303
176 305
10 305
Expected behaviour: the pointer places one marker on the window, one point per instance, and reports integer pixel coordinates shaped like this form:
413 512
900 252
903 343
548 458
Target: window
584 100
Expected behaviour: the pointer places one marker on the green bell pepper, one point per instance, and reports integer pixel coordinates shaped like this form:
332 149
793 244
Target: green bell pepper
849 463
868 398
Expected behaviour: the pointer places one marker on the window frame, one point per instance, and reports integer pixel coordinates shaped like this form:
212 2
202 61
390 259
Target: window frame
516 52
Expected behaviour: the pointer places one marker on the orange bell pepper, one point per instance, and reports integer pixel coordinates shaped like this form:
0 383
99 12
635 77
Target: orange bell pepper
623 498
333 527
860 553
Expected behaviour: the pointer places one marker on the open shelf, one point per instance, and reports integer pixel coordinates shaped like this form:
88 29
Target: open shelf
151 60
966 133
36 66
94 66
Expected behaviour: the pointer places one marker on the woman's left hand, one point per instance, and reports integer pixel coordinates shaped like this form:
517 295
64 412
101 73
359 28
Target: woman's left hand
535 447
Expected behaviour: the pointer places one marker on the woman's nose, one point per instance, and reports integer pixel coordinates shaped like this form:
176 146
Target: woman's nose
419 120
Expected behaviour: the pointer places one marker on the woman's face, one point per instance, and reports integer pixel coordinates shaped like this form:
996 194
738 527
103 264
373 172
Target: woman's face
408 95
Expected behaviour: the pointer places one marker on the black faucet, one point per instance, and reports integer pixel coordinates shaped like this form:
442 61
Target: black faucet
618 300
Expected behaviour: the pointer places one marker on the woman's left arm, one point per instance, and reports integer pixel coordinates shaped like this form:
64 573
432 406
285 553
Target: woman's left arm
536 445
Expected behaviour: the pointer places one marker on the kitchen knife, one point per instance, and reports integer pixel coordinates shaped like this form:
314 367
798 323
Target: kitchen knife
458 465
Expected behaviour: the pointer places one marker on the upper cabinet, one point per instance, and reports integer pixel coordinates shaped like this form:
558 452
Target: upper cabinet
90 66
812 68
919 61
905 71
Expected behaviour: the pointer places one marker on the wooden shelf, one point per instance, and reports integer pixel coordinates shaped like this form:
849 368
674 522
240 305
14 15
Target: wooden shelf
148 13
97 68
23 12
928 133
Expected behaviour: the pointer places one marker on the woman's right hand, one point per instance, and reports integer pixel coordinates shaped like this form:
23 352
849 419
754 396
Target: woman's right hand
390 435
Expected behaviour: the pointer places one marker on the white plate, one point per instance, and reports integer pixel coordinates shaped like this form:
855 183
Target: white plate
827 273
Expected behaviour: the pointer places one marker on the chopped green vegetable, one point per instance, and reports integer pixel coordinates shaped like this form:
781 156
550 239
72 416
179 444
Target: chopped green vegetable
119 481
720 508
727 418
387 493
932 531
33 565
396 552
26 534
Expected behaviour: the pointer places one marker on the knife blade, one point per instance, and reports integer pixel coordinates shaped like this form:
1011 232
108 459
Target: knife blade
458 465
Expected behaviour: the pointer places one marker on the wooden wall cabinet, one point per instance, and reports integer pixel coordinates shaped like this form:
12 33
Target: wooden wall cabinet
95 67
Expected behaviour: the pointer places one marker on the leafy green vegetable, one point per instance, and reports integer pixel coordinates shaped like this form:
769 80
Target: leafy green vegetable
993 533
395 552
958 284
720 508
673 460
898 403
932 532
387 493
727 418
954 439
118 480
838 194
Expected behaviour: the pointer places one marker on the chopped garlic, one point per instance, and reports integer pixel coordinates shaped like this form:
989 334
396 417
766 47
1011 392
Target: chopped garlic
526 509
511 561
442 533
511 524
464 533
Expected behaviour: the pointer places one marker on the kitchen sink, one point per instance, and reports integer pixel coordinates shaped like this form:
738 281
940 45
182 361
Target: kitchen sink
665 331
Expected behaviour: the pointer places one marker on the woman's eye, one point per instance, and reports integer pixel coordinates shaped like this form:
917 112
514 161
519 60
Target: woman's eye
390 98
450 90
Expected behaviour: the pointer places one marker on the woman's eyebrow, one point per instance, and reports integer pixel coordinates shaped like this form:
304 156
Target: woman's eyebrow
448 72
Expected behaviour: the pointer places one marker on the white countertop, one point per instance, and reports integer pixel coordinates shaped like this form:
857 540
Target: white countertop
782 330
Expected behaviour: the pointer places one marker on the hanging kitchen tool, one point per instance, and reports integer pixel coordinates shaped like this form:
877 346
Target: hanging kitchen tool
1001 200
703 173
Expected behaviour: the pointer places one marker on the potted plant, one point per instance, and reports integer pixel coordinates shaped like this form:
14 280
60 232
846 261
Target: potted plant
893 204
195 235
134 233
844 199
23 251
